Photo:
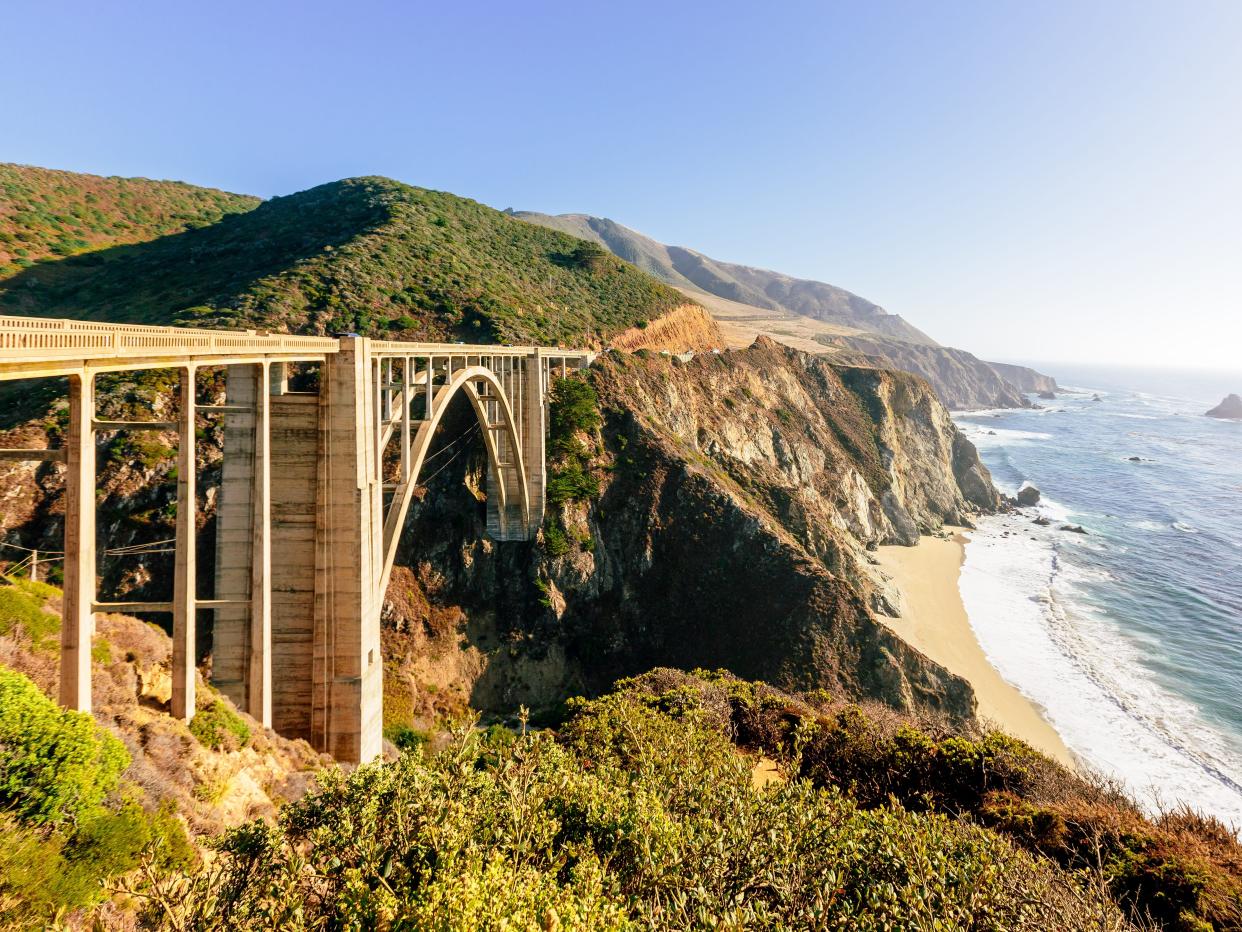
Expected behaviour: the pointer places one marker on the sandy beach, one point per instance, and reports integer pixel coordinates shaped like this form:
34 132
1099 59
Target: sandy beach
935 622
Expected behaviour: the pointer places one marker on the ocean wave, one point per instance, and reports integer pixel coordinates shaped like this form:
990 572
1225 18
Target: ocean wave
1184 528
1027 605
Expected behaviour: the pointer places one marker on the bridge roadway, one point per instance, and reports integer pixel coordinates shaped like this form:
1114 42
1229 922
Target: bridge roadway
296 641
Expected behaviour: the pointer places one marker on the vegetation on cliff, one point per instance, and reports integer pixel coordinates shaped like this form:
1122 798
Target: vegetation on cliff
643 810
368 255
46 214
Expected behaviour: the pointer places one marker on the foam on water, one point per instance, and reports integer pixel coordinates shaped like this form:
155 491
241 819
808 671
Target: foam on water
1128 637
1081 671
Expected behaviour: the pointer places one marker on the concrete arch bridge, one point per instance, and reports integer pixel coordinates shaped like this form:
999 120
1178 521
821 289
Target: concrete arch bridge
322 478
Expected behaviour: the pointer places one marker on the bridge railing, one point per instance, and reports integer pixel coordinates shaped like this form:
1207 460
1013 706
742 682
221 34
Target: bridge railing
26 338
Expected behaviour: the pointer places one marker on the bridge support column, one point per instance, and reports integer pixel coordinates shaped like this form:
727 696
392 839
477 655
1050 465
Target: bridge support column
185 567
241 645
79 594
347 686
533 436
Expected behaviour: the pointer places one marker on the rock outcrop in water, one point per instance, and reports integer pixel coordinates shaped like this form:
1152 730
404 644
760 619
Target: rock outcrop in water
1028 496
1229 409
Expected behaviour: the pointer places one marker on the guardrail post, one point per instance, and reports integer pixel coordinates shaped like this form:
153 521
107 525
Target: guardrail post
78 622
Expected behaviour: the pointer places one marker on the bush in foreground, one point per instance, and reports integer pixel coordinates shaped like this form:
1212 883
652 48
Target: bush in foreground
632 817
68 826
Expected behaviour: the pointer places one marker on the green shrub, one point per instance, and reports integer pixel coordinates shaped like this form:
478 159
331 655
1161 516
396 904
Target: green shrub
406 737
218 727
571 482
631 818
55 765
555 540
573 407
21 609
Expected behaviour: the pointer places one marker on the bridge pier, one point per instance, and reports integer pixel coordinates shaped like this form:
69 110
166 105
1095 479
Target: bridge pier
306 538
347 683
242 631
78 616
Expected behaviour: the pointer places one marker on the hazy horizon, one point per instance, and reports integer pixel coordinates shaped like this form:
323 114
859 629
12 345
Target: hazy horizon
1057 182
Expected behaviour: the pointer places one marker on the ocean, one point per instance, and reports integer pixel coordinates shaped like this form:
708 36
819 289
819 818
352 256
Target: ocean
1128 637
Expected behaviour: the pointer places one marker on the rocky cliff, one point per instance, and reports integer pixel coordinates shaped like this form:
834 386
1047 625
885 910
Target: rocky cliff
961 379
738 494
1024 378
684 329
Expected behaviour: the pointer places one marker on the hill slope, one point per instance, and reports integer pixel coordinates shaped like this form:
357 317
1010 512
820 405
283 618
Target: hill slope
47 214
808 315
685 268
365 254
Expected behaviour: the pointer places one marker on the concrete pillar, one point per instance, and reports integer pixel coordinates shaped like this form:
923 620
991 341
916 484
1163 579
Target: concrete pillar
234 538
533 436
259 695
407 398
347 691
294 436
78 622
185 563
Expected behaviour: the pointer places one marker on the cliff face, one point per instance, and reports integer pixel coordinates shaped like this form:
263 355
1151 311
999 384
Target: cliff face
739 494
1024 378
962 380
688 328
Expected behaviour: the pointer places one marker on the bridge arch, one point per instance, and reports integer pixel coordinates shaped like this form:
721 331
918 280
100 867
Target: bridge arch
501 439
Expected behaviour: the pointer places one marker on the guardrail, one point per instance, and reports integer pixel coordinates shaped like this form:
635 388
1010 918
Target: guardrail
31 338
399 348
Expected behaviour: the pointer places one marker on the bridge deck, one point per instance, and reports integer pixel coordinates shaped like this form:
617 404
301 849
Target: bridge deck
32 347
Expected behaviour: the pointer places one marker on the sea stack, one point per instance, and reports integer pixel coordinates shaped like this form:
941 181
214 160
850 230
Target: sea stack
1028 496
1229 409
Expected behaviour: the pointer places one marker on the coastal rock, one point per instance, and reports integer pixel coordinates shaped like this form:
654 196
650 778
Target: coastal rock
1230 409
1096 398
1073 528
1041 521
1028 495
1136 459
1048 395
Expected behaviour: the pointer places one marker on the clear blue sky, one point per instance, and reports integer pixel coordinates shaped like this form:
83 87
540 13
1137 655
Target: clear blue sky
1047 180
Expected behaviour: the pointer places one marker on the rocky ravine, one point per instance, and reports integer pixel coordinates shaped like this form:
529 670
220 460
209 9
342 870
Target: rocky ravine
739 494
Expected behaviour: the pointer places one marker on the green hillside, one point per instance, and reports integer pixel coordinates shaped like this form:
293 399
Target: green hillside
366 254
47 214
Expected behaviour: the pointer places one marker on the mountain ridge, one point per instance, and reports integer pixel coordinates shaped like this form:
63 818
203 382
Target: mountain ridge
810 315
684 267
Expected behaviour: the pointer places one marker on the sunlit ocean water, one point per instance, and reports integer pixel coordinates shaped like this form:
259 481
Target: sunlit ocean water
1129 637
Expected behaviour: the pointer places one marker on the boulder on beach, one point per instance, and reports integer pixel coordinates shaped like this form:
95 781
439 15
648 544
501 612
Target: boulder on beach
1028 495
1230 409
1042 521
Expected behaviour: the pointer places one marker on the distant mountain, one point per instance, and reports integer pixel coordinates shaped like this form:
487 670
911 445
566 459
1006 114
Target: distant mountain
808 315
369 255
47 214
686 268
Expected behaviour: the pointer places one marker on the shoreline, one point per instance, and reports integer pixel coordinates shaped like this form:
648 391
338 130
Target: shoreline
934 621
